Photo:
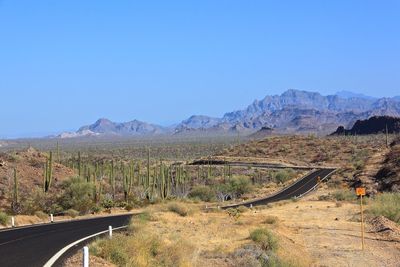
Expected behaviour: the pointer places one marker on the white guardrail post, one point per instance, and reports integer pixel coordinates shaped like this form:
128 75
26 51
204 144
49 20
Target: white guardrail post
12 221
85 256
51 218
110 231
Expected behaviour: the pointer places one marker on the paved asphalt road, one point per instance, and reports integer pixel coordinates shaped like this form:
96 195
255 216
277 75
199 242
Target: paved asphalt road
300 187
34 246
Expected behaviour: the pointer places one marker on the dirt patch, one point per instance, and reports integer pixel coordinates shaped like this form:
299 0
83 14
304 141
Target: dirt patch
385 227
310 232
76 260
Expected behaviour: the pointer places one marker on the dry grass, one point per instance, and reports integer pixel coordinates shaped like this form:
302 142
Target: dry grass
271 219
179 208
143 247
388 205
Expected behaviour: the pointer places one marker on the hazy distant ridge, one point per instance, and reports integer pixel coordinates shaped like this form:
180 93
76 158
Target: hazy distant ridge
292 111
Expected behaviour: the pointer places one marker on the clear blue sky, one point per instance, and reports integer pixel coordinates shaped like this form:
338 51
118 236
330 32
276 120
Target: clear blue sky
66 63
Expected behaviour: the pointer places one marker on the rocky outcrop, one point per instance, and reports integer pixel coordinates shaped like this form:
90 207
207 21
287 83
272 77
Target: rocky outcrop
373 125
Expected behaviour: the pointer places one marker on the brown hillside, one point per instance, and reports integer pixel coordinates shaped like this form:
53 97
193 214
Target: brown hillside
29 164
348 153
388 177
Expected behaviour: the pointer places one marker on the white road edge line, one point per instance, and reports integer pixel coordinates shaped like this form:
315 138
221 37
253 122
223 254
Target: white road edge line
53 259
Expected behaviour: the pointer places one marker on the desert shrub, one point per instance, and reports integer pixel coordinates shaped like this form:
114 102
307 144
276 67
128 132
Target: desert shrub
72 213
324 197
235 187
128 206
178 208
242 209
233 213
107 202
344 195
111 250
37 200
250 255
203 193
265 238
388 205
77 195
143 249
269 219
40 214
96 209
4 218
283 176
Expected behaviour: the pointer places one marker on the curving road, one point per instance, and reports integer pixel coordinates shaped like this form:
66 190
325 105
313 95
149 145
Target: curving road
297 189
34 245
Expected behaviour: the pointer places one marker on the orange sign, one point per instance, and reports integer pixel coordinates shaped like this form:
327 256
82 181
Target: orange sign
360 191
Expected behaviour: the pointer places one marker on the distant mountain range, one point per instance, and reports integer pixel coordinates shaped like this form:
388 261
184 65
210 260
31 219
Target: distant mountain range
294 111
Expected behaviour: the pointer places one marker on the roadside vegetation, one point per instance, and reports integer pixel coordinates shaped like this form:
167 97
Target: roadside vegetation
386 204
92 184
4 218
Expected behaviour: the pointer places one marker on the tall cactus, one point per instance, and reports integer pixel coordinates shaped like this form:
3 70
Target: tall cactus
128 177
112 180
58 153
16 193
48 173
148 167
162 181
79 164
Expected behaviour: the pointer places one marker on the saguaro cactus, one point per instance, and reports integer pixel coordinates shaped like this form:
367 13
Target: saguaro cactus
148 168
16 193
48 173
58 153
112 180
79 163
127 181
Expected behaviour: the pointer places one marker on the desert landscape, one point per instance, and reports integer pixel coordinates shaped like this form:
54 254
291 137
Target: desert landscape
199 133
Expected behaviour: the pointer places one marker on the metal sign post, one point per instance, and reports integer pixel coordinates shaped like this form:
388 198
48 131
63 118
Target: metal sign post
360 191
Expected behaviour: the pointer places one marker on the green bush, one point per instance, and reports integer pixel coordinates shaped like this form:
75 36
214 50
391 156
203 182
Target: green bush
283 176
344 195
96 209
107 203
4 218
178 208
39 201
239 185
77 195
265 238
388 205
128 206
203 193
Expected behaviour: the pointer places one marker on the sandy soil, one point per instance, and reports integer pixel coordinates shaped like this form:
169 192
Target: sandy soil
311 233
